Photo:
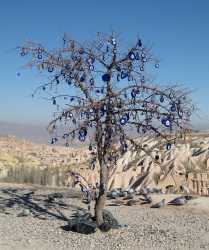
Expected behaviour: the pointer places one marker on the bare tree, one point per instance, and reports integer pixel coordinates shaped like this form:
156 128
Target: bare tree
104 95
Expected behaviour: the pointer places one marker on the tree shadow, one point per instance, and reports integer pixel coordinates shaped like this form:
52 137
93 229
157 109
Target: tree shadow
38 206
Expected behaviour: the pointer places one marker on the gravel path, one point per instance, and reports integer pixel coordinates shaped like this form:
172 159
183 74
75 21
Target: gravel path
165 228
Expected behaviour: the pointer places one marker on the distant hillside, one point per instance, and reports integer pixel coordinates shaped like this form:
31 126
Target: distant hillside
34 133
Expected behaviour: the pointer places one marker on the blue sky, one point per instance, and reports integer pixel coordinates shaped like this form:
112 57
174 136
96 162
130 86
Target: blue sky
177 29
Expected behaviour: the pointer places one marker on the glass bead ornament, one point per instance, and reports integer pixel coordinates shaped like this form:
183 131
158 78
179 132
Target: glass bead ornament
168 146
22 53
161 98
39 56
91 111
43 88
139 43
137 57
40 50
83 132
118 77
65 136
69 82
91 81
70 115
67 67
91 67
81 51
82 138
62 72
123 121
173 107
82 79
180 113
91 60
54 101
143 79
114 41
133 93
106 77
157 65
123 75
50 68
166 122
141 68
189 113
126 116
131 55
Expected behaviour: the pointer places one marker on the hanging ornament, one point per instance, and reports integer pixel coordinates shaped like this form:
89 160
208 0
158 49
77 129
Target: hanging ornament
137 57
130 78
102 112
91 67
166 122
156 65
123 121
65 136
22 53
97 91
126 116
189 113
50 68
106 77
70 115
39 56
118 77
180 112
81 51
125 147
54 101
173 107
139 43
133 93
168 146
161 98
131 55
143 79
67 67
43 88
123 75
114 41
142 68
82 79
83 132
82 138
57 79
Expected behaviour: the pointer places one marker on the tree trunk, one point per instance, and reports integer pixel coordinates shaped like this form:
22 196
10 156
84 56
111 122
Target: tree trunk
101 200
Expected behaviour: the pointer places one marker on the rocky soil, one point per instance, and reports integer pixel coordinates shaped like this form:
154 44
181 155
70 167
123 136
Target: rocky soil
34 218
